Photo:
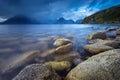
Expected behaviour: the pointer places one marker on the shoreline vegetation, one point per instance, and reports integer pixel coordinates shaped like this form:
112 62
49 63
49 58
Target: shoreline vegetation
106 16
64 63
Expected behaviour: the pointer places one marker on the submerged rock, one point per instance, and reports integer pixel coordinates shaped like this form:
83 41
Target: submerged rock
97 35
104 66
15 66
97 48
37 72
111 28
61 41
59 66
64 48
72 57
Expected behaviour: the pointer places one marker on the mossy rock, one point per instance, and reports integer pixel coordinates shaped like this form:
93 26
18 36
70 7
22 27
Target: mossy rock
37 72
59 66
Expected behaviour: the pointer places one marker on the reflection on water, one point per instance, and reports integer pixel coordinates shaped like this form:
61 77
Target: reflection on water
15 40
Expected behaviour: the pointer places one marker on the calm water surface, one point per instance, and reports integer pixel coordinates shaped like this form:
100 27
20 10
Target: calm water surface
15 40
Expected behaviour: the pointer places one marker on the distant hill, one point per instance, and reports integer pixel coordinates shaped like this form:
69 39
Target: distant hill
79 21
110 15
20 19
64 21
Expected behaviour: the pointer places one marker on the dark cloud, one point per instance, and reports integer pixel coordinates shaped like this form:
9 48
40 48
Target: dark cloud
52 9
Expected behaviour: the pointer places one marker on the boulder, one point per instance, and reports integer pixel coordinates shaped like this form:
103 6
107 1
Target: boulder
64 48
118 31
104 66
37 72
97 48
59 66
61 41
111 43
97 35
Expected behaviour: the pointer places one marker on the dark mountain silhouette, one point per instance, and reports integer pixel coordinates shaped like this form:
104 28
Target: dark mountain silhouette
20 19
64 21
110 15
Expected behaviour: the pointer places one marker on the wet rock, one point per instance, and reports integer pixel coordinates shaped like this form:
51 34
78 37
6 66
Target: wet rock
97 35
117 39
59 66
73 57
61 41
118 31
37 72
51 55
112 28
96 48
111 43
104 66
64 48
70 36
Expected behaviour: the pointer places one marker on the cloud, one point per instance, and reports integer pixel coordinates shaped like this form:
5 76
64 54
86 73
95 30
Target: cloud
2 19
53 9
79 13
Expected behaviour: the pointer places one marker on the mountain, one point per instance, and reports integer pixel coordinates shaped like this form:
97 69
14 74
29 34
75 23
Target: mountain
64 21
79 21
110 15
20 19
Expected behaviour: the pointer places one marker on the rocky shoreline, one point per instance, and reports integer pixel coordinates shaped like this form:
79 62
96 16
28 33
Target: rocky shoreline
64 63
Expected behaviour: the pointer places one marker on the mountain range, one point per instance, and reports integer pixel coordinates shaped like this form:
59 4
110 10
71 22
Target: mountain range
110 15
20 19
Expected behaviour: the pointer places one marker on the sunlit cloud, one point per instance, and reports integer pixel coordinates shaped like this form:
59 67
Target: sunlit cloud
80 13
2 19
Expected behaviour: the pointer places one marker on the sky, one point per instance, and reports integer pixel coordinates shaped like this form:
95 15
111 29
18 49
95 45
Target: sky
50 10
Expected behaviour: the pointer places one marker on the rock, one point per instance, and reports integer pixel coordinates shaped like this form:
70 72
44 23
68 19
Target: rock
111 28
96 48
37 72
64 48
69 36
19 63
51 55
59 66
97 35
61 41
118 32
104 66
73 57
111 43
117 39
